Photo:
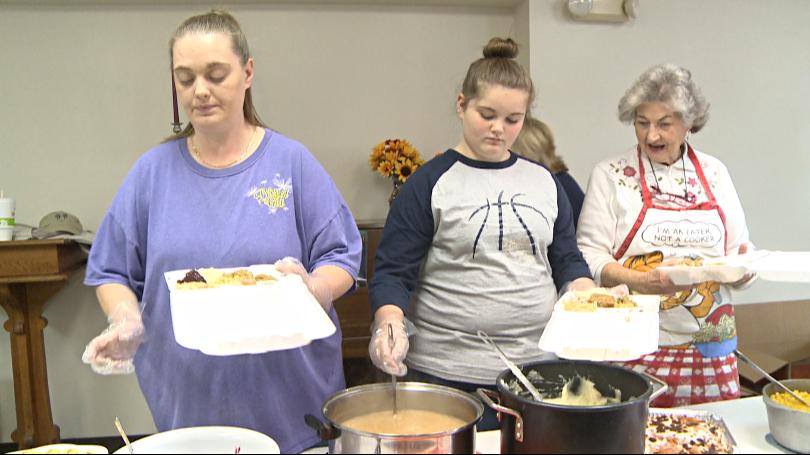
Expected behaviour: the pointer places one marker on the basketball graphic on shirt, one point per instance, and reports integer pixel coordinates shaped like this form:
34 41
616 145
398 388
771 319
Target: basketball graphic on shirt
515 210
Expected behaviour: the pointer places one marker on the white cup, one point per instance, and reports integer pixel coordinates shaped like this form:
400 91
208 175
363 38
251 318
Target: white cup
6 218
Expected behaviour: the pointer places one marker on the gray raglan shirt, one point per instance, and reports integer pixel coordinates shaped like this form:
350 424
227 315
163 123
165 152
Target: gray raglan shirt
471 245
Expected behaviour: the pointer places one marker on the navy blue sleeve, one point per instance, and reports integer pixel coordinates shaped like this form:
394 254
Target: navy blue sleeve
575 194
406 238
567 263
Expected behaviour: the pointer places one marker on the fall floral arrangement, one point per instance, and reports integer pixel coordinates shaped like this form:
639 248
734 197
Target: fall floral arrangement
395 158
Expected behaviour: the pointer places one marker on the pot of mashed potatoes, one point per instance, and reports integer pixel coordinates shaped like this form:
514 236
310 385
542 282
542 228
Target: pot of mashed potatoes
587 407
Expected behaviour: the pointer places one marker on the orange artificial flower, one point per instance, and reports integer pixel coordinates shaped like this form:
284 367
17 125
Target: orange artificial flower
395 158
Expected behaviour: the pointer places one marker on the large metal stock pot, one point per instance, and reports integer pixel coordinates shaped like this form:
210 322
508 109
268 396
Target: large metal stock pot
366 399
529 426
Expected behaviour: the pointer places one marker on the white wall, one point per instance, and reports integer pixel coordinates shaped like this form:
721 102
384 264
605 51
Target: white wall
85 89
752 61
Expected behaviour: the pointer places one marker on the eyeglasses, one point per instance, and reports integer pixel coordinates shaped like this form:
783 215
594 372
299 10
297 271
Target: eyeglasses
663 126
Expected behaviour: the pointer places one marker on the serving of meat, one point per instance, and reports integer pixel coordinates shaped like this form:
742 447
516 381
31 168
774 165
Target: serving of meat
593 300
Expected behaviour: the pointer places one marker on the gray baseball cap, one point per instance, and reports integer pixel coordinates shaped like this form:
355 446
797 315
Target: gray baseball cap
60 223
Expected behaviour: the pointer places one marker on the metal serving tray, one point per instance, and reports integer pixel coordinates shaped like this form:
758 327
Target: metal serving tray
702 415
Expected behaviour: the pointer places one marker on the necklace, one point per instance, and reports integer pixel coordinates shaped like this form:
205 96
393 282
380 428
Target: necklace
657 187
222 166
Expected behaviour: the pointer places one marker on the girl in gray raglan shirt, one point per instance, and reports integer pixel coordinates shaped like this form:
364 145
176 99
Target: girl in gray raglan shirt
478 239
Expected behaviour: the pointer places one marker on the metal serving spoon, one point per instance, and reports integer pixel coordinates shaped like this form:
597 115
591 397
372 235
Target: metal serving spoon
393 376
123 435
770 378
514 368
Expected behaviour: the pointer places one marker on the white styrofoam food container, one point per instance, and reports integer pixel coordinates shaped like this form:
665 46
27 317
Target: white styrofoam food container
793 266
607 334
231 320
213 439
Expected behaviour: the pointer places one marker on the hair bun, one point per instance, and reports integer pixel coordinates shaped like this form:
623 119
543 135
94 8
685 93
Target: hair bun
501 48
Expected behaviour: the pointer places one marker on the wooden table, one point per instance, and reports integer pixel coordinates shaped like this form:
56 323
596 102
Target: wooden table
31 272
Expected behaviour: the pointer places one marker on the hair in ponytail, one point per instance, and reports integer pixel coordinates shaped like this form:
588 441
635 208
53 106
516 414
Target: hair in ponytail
217 21
497 67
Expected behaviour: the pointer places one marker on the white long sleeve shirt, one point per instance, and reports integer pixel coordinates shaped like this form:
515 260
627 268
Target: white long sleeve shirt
613 202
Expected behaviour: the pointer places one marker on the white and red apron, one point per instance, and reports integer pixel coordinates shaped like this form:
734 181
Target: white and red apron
697 332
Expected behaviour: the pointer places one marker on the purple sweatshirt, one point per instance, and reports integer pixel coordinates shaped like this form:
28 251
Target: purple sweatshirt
172 213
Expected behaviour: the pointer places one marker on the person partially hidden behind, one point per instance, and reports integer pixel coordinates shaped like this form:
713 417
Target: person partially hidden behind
536 142
225 192
478 239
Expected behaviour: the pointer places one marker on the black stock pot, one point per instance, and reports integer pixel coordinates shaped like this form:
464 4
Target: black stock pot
529 426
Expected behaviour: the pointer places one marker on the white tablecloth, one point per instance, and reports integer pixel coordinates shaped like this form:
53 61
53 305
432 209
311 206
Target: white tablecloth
746 418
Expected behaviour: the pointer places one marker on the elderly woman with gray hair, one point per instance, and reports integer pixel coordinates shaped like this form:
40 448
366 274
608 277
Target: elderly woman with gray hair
660 202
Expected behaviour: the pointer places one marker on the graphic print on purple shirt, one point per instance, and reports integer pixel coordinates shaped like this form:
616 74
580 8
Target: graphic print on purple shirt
274 197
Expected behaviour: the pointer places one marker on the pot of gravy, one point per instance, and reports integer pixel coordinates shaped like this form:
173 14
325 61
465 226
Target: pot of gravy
429 419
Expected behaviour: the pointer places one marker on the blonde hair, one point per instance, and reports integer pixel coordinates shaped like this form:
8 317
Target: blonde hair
497 67
536 142
217 21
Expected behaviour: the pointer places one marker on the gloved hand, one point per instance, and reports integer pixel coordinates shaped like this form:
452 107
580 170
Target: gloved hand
113 351
318 285
619 291
386 352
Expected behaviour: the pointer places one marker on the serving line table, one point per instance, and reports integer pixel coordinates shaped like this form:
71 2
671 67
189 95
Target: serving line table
746 418
31 272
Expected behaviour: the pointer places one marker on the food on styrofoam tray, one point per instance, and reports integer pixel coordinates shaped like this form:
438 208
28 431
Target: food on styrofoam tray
689 261
595 298
781 266
211 278
65 448
690 270
243 310
686 431
590 332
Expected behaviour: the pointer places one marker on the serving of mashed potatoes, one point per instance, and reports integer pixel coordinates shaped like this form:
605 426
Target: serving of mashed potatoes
583 394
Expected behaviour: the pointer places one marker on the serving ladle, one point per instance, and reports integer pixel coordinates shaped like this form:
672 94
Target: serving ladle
753 365
512 367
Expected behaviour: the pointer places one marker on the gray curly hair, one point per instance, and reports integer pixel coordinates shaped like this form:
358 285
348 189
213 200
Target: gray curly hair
669 84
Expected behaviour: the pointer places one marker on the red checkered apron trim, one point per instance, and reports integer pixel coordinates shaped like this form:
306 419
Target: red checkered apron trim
691 378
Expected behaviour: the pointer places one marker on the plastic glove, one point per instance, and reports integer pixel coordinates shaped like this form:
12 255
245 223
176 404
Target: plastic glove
619 291
579 284
388 353
318 285
586 284
113 351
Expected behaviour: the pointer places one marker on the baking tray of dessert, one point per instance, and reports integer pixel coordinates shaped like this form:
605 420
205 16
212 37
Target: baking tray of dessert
597 325
687 431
